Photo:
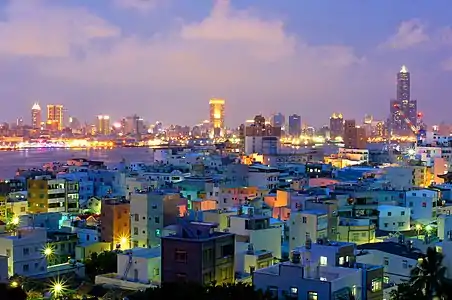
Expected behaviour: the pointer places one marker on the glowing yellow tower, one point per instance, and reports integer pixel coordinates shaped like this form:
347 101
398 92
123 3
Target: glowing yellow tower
217 116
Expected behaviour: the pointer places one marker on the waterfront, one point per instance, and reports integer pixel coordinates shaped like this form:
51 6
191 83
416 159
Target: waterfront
10 161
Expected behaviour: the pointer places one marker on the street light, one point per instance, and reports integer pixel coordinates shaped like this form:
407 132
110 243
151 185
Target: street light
14 284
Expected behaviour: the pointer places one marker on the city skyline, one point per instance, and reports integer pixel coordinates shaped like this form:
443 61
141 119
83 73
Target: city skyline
281 58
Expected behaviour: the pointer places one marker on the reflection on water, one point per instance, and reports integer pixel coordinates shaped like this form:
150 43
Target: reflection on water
11 160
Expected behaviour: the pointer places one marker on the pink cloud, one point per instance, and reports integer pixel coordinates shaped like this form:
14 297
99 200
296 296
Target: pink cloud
409 34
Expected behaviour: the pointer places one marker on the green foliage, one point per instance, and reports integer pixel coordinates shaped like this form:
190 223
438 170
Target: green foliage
102 263
196 291
427 280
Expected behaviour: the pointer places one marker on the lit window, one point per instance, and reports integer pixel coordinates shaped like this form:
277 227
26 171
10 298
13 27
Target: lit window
377 285
323 260
313 296
293 291
341 261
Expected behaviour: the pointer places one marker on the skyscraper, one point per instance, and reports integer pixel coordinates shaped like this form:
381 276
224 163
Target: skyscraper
36 116
55 116
403 109
217 116
103 125
336 126
295 125
278 120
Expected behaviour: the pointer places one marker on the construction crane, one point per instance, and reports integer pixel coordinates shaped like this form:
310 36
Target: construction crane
415 128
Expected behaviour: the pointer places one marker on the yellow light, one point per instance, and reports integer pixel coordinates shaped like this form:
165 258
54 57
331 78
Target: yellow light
428 228
14 284
123 240
418 226
57 287
15 221
48 251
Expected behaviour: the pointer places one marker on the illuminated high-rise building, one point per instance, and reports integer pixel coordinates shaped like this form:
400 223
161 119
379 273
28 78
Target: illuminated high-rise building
217 116
36 116
55 116
103 125
336 126
295 125
403 108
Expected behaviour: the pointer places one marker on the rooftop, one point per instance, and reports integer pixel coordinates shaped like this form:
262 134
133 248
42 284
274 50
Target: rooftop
144 252
392 248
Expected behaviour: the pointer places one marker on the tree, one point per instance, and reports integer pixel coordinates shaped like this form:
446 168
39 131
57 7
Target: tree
105 262
9 293
199 292
428 276
427 280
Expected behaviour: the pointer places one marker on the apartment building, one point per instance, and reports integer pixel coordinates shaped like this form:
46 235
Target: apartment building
24 250
150 212
115 222
195 252
307 225
47 195
256 230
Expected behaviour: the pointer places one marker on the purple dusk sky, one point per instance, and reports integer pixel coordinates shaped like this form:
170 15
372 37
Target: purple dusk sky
164 59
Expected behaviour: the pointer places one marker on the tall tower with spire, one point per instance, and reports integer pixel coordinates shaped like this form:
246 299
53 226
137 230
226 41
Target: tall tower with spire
36 116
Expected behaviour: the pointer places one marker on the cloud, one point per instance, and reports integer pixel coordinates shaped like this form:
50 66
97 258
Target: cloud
410 33
140 5
93 67
34 30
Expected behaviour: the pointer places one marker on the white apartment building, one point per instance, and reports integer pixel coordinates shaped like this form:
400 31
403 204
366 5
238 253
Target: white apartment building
305 225
423 204
297 280
150 213
138 269
24 250
256 230
263 176
394 218
444 229
397 258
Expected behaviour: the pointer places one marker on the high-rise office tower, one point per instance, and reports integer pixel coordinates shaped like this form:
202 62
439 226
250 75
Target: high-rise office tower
295 125
55 116
403 109
336 126
278 120
103 125
36 116
217 117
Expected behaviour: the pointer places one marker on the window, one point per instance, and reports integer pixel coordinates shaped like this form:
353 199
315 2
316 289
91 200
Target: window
180 256
273 291
323 260
341 260
313 296
424 204
157 220
8 252
26 251
402 213
305 220
135 230
294 292
25 268
137 217
401 224
377 285
405 264
156 271
386 261
389 213
386 224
